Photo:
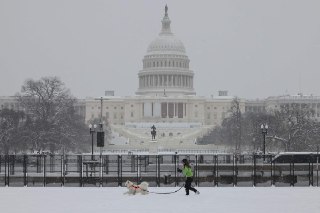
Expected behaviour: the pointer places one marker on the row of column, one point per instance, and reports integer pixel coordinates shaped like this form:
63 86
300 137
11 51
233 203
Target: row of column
166 80
183 64
171 110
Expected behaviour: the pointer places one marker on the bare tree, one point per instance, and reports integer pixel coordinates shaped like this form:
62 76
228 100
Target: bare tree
10 123
290 129
52 121
295 130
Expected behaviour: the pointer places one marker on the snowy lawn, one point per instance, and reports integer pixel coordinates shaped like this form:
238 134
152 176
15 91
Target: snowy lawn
96 200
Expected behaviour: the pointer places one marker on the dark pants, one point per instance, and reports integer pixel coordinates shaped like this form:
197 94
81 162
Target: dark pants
188 186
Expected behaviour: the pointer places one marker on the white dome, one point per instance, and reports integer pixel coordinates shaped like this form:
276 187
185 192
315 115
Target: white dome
166 44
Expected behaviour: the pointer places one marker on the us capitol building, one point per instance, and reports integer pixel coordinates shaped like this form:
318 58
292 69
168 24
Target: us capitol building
165 98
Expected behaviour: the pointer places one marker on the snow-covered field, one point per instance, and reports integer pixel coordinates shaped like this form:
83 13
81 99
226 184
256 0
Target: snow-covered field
96 200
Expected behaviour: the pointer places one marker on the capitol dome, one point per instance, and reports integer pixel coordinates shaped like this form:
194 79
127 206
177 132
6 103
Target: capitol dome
166 65
166 43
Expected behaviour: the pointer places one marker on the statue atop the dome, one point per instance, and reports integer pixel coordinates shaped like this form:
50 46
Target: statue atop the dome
166 10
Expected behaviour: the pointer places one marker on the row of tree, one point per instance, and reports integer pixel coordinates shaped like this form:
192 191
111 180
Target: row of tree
291 128
47 120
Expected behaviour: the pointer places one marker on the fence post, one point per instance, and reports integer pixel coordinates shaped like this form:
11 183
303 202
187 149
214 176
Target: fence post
293 177
317 166
197 171
158 170
254 169
215 170
25 157
309 175
107 164
234 168
312 174
5 170
119 170
81 170
44 169
62 169
101 177
8 174
271 170
138 169
175 169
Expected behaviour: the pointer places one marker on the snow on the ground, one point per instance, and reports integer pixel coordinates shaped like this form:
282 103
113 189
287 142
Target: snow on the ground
214 199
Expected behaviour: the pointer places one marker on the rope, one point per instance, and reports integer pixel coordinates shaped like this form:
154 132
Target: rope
165 193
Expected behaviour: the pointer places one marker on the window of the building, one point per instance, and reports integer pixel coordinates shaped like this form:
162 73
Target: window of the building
131 114
115 116
215 116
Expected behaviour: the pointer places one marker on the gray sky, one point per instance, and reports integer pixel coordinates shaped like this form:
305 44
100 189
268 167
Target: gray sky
252 48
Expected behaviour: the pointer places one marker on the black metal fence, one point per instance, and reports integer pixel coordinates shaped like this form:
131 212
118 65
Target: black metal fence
157 170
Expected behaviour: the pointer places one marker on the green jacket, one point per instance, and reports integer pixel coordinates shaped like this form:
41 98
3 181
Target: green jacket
187 172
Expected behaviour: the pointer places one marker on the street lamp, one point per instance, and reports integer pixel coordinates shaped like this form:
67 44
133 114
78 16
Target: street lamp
92 131
264 130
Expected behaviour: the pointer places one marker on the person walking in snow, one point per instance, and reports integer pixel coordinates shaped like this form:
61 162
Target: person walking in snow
187 172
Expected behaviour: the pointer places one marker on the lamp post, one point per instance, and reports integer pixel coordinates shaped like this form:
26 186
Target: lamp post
92 131
264 130
254 144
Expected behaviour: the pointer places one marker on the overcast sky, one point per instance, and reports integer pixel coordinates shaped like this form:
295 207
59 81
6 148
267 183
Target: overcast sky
252 48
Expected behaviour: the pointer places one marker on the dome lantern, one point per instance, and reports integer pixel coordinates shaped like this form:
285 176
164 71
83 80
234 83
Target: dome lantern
166 23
